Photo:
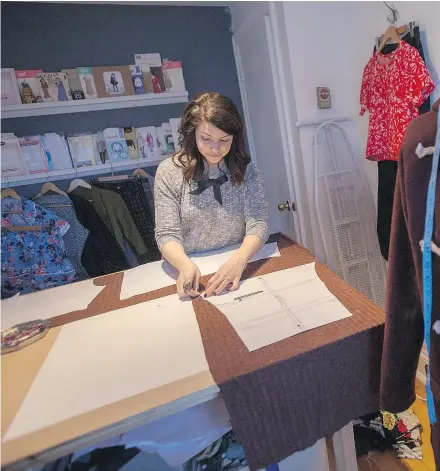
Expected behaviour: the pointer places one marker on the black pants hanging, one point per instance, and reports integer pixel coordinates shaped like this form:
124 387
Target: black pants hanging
387 170
387 173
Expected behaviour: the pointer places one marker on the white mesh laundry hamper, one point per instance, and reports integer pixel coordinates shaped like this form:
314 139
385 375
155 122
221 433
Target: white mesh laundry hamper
345 212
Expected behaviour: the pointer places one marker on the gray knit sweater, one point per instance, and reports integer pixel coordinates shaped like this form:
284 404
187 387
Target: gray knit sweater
199 222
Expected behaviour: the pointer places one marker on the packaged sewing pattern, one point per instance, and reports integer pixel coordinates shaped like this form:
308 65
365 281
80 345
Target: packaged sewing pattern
54 86
34 154
173 76
82 150
137 78
10 94
87 82
113 81
116 145
29 86
147 142
74 84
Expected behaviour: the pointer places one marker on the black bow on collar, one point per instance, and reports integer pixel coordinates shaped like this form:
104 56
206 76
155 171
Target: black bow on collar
216 183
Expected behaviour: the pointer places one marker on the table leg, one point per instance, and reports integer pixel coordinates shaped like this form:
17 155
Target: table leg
345 450
311 459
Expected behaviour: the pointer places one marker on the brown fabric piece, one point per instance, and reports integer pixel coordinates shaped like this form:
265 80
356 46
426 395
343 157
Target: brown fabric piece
404 331
109 300
286 396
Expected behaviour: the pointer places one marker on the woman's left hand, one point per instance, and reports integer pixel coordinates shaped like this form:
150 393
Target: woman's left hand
228 274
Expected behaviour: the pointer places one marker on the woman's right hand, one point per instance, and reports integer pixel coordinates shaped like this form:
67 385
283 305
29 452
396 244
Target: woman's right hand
188 280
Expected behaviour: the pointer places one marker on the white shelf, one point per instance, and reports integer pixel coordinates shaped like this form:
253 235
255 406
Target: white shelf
96 104
82 172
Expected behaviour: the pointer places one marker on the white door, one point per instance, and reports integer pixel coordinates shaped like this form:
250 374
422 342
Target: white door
255 66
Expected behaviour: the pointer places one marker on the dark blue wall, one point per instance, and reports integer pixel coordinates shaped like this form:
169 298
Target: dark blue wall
53 36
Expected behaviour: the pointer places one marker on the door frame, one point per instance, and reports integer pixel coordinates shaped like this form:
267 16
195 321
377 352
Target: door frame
285 116
244 102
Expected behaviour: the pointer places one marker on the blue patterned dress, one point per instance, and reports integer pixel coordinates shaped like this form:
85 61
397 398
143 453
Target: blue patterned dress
32 260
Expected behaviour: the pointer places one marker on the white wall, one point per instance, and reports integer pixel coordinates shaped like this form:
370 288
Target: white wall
329 45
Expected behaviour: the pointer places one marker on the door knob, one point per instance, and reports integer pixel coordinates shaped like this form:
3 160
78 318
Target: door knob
284 206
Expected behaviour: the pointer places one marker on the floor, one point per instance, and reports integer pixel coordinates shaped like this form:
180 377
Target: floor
388 461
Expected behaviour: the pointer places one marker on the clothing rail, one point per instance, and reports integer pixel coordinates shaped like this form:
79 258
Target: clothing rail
300 124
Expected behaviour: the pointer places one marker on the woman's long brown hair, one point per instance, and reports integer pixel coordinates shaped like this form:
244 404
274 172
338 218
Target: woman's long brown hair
223 114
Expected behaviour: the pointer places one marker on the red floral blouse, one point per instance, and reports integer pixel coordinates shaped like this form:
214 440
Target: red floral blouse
393 87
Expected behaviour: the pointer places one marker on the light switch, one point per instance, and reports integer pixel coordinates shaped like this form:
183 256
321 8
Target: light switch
324 99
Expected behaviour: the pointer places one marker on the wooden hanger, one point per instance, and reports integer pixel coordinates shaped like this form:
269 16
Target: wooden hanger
402 29
47 187
11 193
76 183
392 33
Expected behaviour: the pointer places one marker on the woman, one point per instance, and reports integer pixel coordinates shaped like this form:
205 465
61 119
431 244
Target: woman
209 195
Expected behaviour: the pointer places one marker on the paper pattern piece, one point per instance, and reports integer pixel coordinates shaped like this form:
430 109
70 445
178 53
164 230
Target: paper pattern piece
157 275
107 358
276 306
48 303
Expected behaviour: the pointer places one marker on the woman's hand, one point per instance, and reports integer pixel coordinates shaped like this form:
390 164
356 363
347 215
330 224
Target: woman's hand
188 280
228 274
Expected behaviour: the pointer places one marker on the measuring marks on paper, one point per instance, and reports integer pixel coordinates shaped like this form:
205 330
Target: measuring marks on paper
278 305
